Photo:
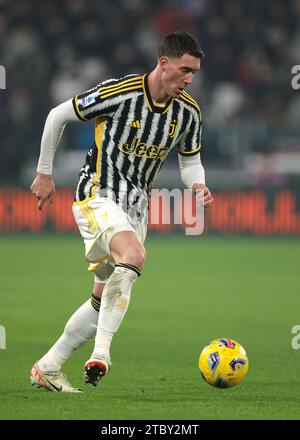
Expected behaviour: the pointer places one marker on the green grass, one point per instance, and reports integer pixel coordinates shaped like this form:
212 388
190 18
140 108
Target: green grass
193 289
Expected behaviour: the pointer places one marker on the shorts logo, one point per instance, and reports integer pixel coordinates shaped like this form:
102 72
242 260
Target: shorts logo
173 128
140 149
135 124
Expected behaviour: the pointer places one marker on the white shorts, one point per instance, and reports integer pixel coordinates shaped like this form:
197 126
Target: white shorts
98 221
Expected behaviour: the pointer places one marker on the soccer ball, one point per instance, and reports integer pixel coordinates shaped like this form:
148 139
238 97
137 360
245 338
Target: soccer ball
223 363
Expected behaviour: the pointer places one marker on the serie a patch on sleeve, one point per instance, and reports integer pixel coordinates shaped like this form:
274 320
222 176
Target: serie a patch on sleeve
88 100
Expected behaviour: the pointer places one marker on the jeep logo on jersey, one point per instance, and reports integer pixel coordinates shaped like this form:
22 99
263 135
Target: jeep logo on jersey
173 128
140 149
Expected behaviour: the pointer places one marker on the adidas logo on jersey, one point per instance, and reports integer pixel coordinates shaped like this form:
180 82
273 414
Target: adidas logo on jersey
135 124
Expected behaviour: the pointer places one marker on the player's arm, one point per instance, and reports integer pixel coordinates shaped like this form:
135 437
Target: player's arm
43 185
83 107
191 168
193 176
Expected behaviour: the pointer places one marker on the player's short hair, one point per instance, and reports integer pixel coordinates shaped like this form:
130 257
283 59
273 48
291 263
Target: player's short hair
176 44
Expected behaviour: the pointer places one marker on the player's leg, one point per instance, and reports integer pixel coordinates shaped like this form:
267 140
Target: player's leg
129 254
80 328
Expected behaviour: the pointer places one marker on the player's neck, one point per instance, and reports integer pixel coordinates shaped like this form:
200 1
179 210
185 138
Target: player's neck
156 88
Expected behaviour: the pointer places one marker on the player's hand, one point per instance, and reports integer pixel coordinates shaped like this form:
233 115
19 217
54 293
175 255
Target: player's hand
43 188
202 194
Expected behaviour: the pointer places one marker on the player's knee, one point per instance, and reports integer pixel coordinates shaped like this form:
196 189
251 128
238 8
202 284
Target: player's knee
135 255
139 258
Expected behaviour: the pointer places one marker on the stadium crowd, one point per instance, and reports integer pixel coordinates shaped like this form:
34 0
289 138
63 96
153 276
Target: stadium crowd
54 49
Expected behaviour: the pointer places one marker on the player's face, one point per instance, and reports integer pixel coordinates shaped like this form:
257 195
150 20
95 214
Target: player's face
177 73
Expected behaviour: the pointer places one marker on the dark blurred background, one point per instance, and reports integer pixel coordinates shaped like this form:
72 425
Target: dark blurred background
55 49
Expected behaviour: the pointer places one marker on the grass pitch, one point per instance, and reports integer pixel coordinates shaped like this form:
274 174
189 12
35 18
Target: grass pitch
193 290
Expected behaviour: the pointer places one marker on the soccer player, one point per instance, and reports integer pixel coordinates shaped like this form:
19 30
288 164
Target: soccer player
139 119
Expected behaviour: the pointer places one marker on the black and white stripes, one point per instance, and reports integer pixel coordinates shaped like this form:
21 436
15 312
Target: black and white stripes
133 137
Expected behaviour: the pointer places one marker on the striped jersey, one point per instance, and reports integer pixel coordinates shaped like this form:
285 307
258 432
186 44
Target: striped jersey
133 137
